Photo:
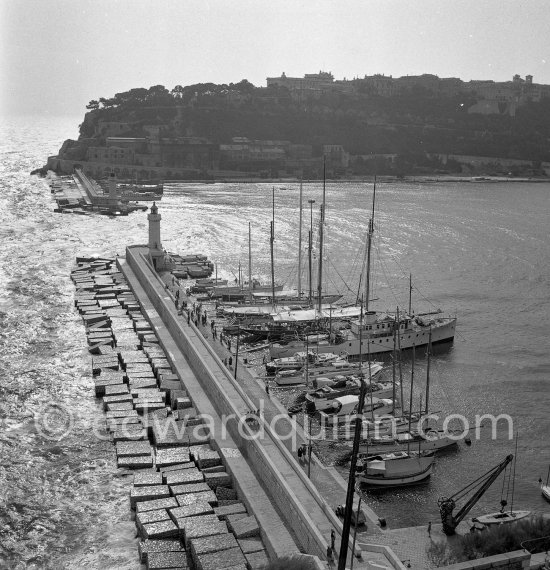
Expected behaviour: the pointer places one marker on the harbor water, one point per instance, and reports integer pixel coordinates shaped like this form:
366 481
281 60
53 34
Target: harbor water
477 249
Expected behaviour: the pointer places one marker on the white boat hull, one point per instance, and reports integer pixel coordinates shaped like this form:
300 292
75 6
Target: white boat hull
499 518
442 332
545 489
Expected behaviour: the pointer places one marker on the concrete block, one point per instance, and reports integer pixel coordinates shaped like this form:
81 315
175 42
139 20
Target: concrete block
156 504
102 382
118 406
135 462
257 560
226 502
190 498
215 479
225 493
184 477
249 545
105 366
196 449
224 559
131 432
171 456
170 433
149 399
167 560
133 448
116 399
160 529
181 403
224 511
178 467
201 526
144 393
121 414
163 372
140 376
191 488
209 544
145 478
150 517
167 385
148 493
146 407
163 545
170 377
118 424
243 528
116 389
217 469
208 458
137 383
196 509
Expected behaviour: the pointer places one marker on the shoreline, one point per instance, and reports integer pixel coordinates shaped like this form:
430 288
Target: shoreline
379 179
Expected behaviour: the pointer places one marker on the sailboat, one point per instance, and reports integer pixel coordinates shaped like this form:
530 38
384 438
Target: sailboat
545 489
505 516
376 329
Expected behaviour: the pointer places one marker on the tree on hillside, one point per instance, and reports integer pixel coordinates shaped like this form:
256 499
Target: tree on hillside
93 105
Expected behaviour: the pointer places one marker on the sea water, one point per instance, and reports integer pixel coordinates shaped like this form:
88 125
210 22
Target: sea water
478 250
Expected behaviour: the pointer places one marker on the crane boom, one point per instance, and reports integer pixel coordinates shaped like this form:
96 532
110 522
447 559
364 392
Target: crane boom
481 484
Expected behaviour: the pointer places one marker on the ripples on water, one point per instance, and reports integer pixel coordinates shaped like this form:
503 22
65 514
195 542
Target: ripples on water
480 250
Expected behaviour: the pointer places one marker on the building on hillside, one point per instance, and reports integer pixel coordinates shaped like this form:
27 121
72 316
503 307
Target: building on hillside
336 156
111 154
311 85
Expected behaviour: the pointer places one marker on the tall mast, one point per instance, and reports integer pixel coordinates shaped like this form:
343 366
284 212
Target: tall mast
321 234
272 264
410 292
400 367
412 384
394 353
369 247
429 353
300 248
249 262
272 246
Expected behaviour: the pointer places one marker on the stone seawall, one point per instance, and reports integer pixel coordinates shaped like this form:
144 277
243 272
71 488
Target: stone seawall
228 402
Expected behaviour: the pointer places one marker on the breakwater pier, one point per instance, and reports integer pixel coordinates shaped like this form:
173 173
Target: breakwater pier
80 194
180 422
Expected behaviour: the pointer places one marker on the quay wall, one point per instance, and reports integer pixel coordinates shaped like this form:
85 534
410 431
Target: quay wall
232 402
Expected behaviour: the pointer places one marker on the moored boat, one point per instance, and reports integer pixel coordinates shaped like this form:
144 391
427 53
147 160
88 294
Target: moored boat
395 469
500 517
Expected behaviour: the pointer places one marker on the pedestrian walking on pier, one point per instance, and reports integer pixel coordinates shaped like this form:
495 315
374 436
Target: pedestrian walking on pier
228 344
430 529
332 539
267 389
230 361
188 318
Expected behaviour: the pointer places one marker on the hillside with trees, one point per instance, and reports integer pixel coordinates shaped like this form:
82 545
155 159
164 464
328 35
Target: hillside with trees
412 125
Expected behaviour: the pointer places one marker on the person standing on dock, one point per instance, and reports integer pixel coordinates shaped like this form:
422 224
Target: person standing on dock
430 529
332 539
267 389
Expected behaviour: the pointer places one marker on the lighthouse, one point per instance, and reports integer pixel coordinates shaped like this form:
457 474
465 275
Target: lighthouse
113 199
155 246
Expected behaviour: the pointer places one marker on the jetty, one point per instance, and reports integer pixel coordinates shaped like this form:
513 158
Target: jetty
80 194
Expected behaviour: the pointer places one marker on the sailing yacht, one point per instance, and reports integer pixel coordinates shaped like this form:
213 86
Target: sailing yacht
377 328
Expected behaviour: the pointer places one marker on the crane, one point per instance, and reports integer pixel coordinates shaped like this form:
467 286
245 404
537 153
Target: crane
479 486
